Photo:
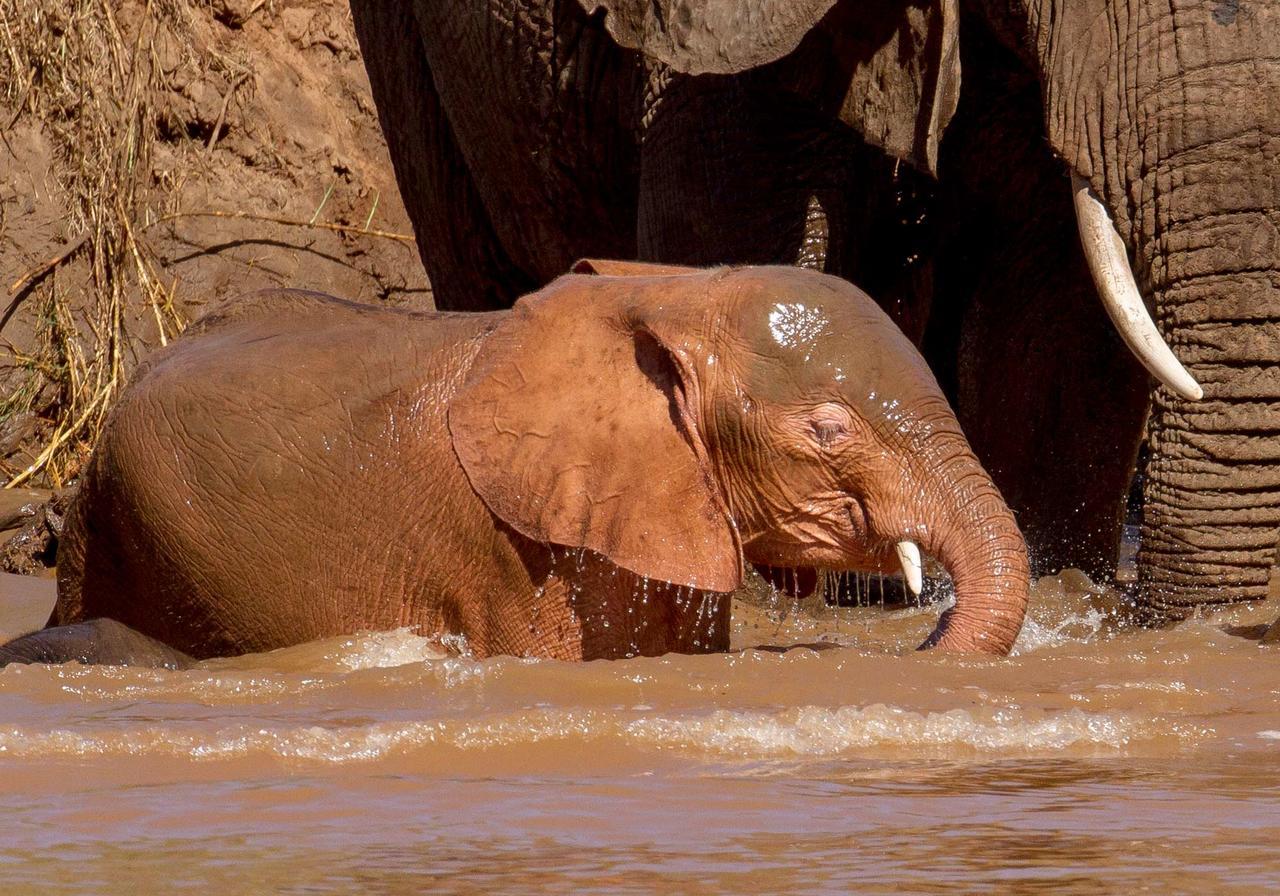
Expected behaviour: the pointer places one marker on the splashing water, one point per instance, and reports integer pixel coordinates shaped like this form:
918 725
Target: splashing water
1087 762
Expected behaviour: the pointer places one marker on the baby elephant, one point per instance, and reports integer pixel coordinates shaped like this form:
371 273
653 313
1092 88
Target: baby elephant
582 476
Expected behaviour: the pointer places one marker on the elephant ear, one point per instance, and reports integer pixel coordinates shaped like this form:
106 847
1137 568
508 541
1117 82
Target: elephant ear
902 55
576 426
906 81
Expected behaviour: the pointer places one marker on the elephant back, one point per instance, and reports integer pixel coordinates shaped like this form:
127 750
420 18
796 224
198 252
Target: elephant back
273 456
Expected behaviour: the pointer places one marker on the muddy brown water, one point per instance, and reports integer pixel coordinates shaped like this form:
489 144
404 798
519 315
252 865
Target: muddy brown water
1099 758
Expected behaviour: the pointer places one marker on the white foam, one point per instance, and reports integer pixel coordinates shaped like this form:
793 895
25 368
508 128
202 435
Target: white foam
816 731
1079 628
385 650
724 735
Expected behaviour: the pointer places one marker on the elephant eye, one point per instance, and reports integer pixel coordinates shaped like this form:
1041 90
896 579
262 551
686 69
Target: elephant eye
827 431
829 424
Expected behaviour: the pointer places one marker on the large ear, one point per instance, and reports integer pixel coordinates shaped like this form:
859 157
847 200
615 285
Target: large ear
902 55
577 425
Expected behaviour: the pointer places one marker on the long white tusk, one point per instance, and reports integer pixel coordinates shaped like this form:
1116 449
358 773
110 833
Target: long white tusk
1109 264
909 557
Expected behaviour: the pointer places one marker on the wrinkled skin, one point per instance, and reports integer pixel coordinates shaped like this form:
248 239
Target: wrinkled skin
580 477
676 133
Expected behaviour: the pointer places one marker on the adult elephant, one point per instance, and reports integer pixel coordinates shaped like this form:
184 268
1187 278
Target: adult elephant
525 134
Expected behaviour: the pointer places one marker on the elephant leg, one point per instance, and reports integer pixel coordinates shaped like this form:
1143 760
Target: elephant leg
98 642
538 108
729 174
1051 400
465 260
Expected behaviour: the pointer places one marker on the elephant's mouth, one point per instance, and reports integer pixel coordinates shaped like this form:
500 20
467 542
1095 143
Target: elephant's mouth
840 539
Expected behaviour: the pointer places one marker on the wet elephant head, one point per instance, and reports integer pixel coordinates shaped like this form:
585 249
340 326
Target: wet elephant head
680 422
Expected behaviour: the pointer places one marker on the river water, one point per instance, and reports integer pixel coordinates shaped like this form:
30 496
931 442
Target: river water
1099 758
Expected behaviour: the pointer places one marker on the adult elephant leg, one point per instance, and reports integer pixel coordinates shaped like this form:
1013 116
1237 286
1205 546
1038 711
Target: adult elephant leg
464 258
1050 398
730 173
542 104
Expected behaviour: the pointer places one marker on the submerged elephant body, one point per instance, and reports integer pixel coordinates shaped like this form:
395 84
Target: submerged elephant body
580 477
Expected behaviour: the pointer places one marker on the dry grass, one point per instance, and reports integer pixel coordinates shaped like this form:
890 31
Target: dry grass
134 97
96 85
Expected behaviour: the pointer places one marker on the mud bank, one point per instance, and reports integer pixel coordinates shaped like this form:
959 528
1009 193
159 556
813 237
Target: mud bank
188 152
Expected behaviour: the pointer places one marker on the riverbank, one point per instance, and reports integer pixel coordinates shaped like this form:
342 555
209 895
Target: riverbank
157 158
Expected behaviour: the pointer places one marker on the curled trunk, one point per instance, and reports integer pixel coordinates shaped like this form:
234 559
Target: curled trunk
972 532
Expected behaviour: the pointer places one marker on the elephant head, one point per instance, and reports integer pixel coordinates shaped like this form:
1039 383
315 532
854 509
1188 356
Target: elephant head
1164 119
679 422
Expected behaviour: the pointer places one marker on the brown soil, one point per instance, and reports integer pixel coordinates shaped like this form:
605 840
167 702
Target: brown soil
154 175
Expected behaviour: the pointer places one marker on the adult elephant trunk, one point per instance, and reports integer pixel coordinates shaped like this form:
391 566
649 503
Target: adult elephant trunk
1212 493
969 529
1208 235
1178 136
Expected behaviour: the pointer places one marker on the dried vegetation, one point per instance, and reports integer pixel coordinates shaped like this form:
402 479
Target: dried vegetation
187 144
96 84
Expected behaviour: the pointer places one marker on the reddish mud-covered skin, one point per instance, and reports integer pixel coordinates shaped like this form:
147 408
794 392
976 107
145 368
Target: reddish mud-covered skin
580 477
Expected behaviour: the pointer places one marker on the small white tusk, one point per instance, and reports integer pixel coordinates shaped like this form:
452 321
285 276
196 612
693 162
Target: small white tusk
1109 265
909 557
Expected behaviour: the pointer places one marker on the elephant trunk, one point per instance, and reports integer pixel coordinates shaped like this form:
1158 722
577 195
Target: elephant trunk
973 534
1207 238
1212 490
